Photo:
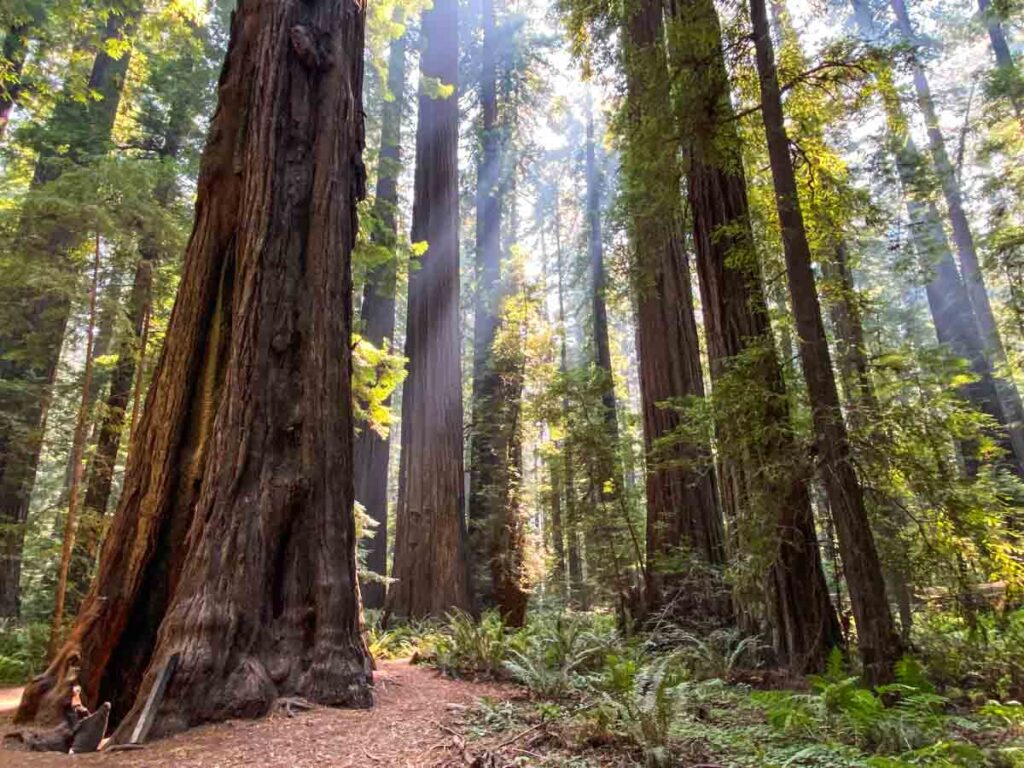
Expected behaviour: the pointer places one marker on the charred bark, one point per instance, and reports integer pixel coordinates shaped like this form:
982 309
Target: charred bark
234 544
876 637
430 570
742 353
378 322
683 516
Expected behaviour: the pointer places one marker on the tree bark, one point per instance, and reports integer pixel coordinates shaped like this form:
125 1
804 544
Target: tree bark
485 495
234 544
877 641
595 249
430 569
372 452
683 516
742 354
77 131
963 239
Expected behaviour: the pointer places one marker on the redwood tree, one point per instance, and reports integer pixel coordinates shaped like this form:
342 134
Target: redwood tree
234 543
430 572
377 320
742 353
876 637
683 516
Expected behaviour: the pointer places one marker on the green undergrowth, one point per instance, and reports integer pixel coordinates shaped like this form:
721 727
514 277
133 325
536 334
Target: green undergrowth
595 698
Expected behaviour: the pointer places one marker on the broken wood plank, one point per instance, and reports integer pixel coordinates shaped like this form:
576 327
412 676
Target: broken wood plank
156 695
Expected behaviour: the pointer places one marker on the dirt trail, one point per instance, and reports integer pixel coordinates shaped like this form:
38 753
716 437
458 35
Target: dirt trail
407 727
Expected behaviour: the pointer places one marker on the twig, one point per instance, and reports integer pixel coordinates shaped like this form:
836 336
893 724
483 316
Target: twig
520 735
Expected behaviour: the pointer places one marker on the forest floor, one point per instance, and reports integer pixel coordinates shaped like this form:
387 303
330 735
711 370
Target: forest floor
420 719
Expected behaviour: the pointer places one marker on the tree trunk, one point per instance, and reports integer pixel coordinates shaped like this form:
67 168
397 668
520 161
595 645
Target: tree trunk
683 516
1005 65
36 334
234 543
577 588
372 452
130 355
963 238
948 301
101 477
595 246
877 641
77 457
758 504
485 497
430 571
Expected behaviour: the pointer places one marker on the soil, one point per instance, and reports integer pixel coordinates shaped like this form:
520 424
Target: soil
411 724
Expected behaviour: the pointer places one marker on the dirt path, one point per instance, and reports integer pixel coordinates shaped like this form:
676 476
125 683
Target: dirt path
406 728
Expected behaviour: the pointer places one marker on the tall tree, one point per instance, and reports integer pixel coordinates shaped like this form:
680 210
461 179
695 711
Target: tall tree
876 638
430 569
683 516
484 494
952 313
377 320
30 345
1006 66
234 543
963 239
742 354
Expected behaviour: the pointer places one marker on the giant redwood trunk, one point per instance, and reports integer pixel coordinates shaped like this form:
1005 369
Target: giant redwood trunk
876 638
234 544
485 493
372 451
963 240
683 516
31 343
430 571
760 506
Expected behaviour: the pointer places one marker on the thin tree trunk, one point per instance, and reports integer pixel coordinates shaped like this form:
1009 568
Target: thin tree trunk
77 459
877 641
234 540
963 238
485 497
430 569
1004 57
372 451
595 246
577 588
743 358
85 127
683 515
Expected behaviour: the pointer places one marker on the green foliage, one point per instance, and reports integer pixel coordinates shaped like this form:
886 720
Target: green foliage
473 648
22 650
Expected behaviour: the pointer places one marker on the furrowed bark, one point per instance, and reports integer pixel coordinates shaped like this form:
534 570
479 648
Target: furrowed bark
683 516
430 541
234 544
740 344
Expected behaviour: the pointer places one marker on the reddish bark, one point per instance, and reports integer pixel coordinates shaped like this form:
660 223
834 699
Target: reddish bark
233 543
